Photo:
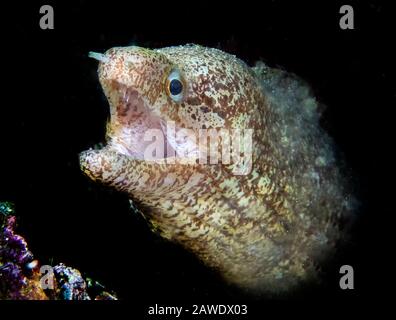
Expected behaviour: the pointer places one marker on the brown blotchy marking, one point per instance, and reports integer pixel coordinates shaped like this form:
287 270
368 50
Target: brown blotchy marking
220 86
205 109
208 101
223 102
193 101
222 113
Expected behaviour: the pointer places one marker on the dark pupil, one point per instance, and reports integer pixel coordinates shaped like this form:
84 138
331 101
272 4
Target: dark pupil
175 87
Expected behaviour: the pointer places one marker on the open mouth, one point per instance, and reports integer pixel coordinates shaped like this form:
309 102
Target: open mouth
136 131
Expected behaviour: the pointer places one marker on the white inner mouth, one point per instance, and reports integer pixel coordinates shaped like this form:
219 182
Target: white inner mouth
143 135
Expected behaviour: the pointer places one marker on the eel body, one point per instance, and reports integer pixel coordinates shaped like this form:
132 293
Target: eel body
264 220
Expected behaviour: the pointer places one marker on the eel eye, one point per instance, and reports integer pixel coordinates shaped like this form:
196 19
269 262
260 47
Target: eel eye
174 86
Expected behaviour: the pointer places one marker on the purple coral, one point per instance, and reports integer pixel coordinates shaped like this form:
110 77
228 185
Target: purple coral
12 246
13 255
20 277
12 281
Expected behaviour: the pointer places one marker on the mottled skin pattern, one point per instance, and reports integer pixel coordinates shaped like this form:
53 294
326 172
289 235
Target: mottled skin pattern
266 230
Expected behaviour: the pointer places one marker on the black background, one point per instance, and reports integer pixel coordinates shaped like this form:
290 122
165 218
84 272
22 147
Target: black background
52 108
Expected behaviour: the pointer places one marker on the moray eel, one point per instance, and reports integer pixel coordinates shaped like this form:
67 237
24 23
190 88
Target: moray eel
264 222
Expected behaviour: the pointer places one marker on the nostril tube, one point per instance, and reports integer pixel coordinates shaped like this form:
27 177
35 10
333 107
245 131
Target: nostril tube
98 56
